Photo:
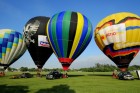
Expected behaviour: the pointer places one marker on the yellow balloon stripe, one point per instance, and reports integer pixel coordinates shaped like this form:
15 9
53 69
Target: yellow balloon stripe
132 38
79 29
8 49
99 42
3 58
132 23
14 44
1 35
117 17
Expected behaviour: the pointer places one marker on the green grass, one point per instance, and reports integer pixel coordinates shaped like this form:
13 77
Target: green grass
78 82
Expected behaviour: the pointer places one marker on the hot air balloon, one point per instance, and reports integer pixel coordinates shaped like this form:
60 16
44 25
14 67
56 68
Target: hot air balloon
12 47
36 40
117 36
69 33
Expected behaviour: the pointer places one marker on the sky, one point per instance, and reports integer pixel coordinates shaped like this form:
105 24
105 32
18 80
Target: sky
15 13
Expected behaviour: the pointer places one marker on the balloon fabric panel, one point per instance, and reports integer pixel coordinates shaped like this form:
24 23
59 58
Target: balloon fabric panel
34 33
69 34
84 39
21 48
121 45
9 40
65 32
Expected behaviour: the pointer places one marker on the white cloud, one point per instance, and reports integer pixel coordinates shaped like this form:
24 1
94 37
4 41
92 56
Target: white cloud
102 59
80 62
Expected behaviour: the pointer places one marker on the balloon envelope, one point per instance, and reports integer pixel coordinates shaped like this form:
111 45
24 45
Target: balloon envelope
117 36
69 34
36 40
12 47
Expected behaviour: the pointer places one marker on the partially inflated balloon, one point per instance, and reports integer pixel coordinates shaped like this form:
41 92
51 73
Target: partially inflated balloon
118 36
69 34
36 40
12 47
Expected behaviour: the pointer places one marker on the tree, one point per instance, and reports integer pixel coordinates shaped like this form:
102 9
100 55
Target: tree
23 69
32 69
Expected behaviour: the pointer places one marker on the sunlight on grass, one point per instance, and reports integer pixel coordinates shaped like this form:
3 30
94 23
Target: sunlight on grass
78 82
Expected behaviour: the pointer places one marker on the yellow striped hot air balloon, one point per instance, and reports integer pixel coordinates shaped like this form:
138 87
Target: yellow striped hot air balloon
118 36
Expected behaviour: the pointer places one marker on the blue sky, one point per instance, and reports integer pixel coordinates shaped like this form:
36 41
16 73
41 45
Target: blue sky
15 13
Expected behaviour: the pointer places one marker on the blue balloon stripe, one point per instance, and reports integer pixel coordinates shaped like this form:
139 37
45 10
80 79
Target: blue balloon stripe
16 40
20 36
59 32
86 41
9 45
0 55
50 37
132 27
54 34
90 37
16 35
6 35
3 50
4 42
0 48
84 32
1 40
11 38
85 45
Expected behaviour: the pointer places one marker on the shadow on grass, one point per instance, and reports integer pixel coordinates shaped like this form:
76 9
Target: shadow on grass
99 75
57 89
75 75
137 78
13 89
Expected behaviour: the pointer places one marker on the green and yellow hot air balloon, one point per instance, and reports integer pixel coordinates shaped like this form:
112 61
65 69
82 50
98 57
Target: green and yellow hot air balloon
69 34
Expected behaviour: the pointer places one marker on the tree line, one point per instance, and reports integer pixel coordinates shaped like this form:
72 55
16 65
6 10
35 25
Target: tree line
107 68
97 68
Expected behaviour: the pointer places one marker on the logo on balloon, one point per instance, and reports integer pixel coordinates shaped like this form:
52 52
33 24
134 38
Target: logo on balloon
29 30
112 33
43 41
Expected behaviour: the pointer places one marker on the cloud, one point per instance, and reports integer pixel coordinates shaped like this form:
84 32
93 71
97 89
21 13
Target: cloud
91 61
80 62
102 59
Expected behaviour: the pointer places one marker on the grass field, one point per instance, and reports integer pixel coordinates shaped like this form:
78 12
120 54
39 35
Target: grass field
78 82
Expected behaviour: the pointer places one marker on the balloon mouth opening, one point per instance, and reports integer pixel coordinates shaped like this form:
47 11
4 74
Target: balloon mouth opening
39 66
123 69
66 62
5 66
65 66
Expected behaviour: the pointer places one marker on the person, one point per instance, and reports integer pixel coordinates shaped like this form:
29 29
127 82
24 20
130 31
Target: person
38 74
2 73
65 75
115 74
